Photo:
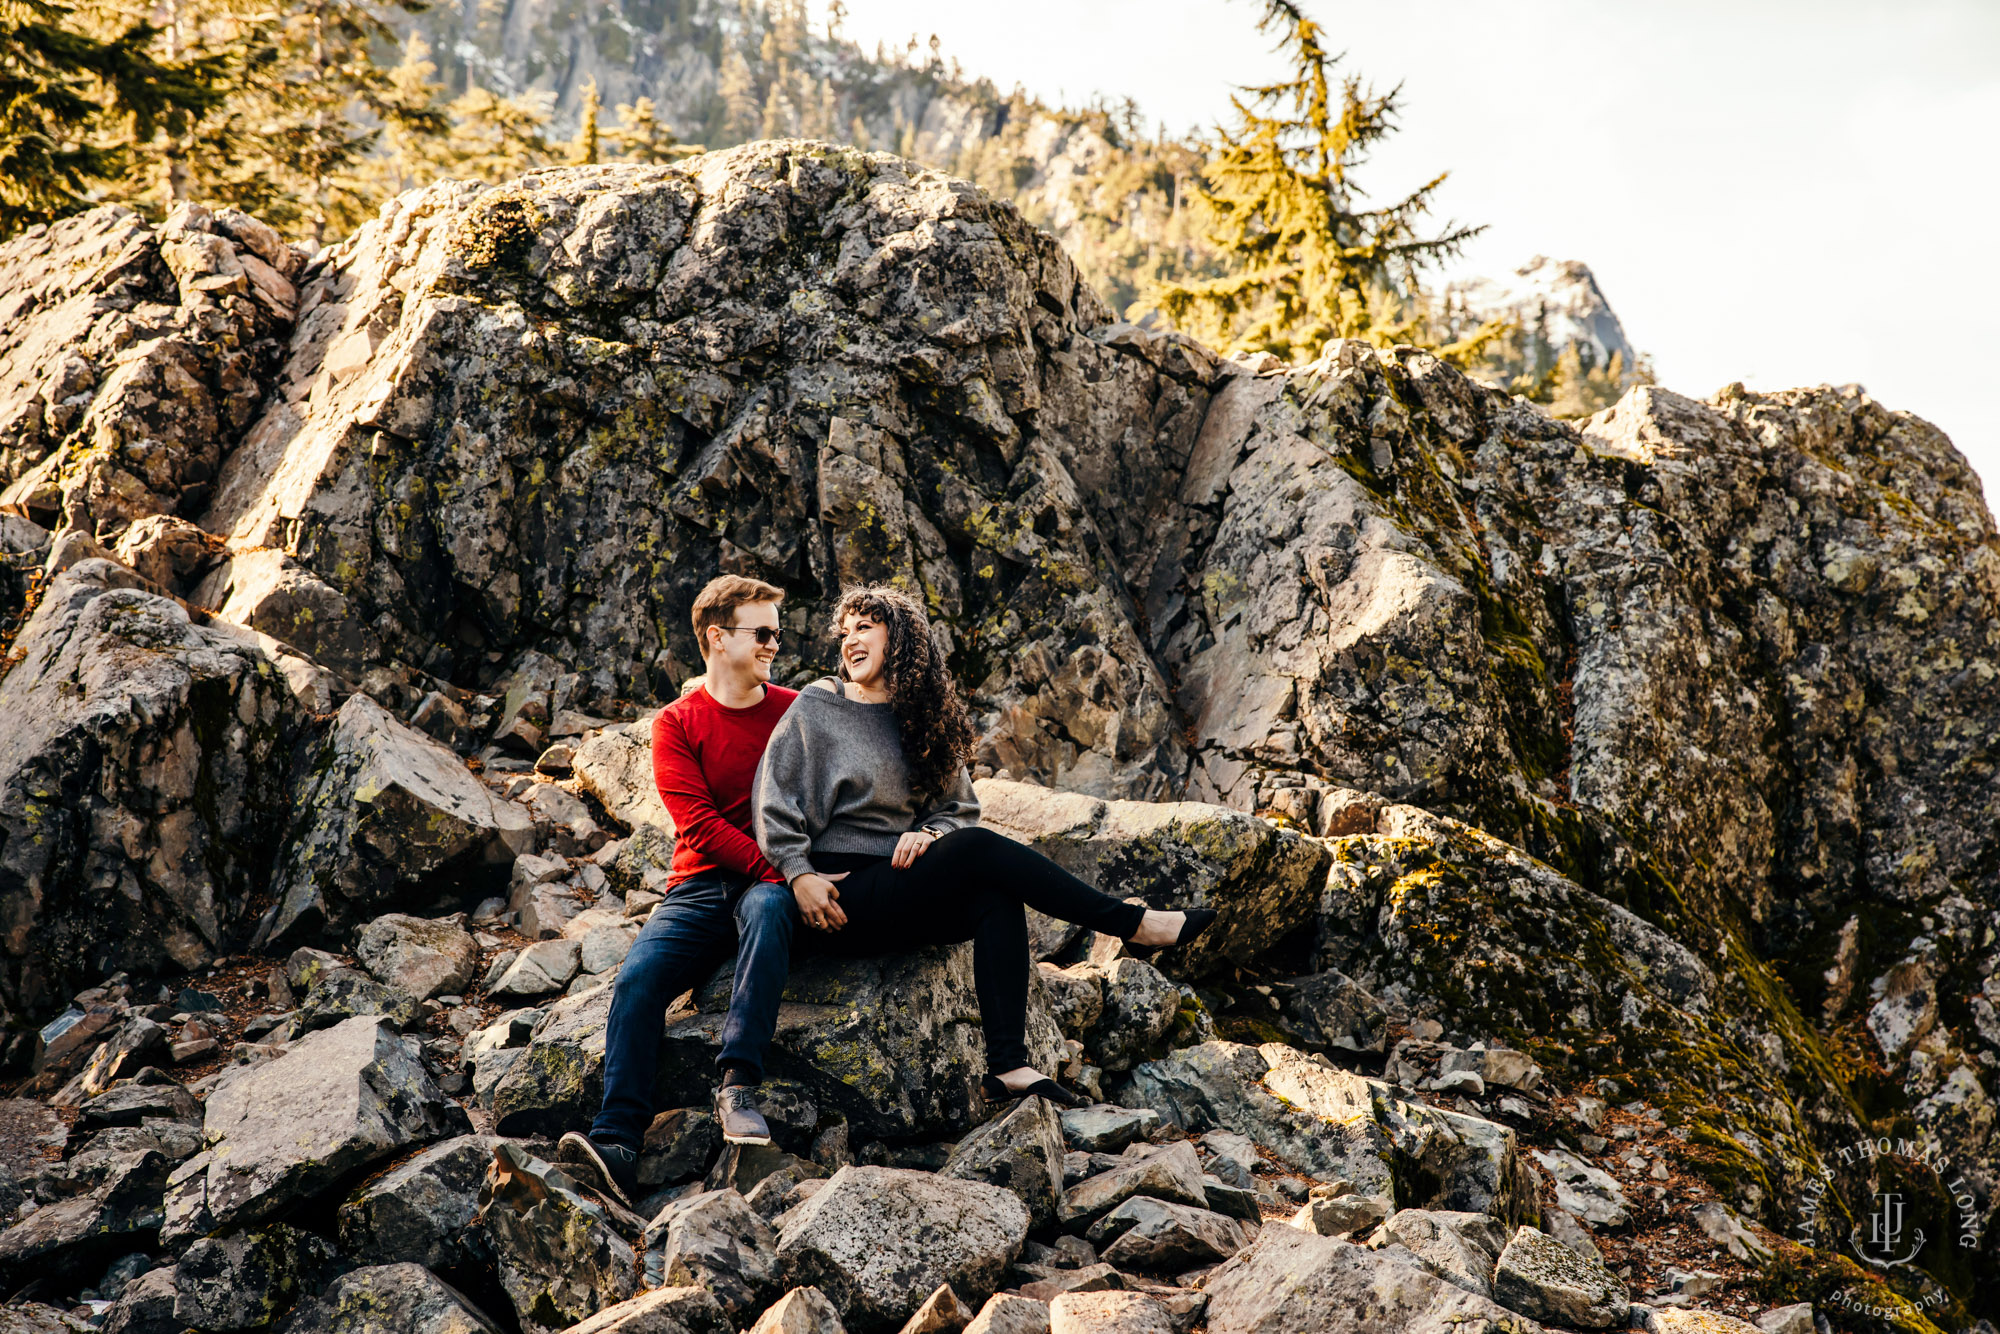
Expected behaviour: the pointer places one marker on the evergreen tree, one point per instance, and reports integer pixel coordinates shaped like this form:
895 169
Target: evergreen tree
496 138
1304 263
322 74
414 122
642 136
72 106
780 118
585 149
741 111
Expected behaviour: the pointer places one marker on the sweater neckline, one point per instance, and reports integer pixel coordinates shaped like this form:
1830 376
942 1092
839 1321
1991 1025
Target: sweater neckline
840 697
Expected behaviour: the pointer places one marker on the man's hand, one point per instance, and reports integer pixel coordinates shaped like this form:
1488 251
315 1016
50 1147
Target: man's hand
819 901
910 847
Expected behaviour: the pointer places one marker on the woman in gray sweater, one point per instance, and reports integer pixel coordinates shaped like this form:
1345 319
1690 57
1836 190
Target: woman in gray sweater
863 803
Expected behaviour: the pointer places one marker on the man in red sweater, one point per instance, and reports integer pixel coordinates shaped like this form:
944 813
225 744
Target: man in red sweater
722 896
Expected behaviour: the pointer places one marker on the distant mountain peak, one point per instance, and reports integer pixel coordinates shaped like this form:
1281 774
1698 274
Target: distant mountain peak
1559 295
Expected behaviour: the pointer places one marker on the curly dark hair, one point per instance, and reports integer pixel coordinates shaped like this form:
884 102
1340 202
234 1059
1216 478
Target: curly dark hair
936 730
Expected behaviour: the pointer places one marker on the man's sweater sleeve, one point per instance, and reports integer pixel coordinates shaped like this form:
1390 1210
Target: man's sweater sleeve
957 809
787 804
684 789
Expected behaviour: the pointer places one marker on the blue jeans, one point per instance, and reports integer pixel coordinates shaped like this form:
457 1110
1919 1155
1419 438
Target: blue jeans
702 921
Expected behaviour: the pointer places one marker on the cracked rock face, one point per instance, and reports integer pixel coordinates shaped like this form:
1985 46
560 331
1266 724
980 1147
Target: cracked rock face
560 1260
1291 1280
141 783
381 808
1334 1124
802 363
143 352
399 1298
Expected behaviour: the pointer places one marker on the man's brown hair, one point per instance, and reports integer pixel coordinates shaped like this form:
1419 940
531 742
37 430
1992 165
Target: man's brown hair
717 603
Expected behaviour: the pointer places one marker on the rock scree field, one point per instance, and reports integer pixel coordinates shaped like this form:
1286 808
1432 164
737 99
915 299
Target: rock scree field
1603 818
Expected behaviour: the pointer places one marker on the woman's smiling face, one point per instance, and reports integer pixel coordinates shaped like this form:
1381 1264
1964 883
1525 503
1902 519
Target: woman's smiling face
864 651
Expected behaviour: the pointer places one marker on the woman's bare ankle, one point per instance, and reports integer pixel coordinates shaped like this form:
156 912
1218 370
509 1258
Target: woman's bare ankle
1020 1077
1159 928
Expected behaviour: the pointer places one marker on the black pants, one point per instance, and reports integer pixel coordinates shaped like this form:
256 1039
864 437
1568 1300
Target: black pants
970 884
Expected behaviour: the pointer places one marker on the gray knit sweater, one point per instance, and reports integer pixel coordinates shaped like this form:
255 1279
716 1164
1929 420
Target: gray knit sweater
833 777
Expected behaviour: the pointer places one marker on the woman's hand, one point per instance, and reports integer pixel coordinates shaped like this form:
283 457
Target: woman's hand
910 847
819 901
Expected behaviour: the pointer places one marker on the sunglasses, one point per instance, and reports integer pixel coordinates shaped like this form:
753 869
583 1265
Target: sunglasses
765 634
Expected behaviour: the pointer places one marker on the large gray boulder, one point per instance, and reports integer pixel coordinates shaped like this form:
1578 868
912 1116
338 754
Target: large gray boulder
615 765
246 1280
1172 1173
878 1240
116 1206
143 762
713 1240
288 1129
382 810
1164 1238
559 1256
1261 879
418 956
389 1299
420 1211
1289 1280
893 1044
1329 1123
1546 1280
1458 1247
1021 1151
1140 1006
340 994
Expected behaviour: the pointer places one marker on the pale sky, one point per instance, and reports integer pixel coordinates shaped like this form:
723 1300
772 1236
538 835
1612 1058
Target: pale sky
1779 193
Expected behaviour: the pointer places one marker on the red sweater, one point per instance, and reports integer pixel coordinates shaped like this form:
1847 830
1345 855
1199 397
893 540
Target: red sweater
704 756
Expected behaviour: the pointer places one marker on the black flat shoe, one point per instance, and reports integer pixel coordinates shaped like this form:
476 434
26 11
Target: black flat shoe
1197 921
1048 1090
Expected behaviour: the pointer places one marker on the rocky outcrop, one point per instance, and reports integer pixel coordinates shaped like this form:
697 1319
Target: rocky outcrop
142 784
339 1100
1292 1280
132 356
382 808
892 1045
1650 753
417 430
